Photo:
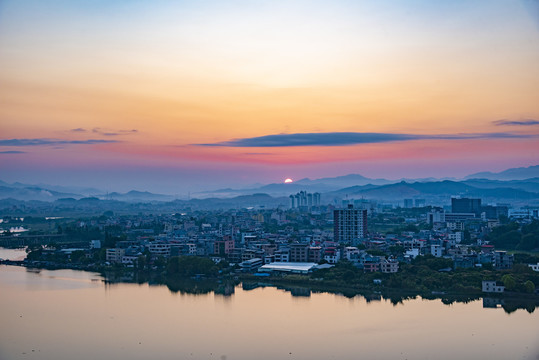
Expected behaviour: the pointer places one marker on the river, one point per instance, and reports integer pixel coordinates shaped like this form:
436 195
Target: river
65 314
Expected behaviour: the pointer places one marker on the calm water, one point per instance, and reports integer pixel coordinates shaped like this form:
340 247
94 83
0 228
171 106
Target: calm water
68 314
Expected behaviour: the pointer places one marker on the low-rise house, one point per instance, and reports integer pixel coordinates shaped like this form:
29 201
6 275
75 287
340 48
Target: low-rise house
351 253
389 266
332 255
535 267
436 250
371 266
160 248
282 255
95 244
251 264
502 260
492 287
114 255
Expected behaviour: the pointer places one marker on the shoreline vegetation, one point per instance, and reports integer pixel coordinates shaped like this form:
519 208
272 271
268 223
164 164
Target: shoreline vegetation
199 275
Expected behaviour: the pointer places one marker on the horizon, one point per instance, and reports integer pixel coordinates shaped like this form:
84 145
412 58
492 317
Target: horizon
178 97
253 186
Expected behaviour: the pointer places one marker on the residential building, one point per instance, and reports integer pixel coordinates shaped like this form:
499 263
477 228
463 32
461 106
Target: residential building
535 267
332 255
224 246
349 224
299 253
315 254
436 250
160 248
389 266
502 260
492 287
282 255
251 264
115 255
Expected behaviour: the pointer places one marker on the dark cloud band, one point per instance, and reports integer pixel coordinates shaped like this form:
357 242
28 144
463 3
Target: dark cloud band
349 138
38 142
524 122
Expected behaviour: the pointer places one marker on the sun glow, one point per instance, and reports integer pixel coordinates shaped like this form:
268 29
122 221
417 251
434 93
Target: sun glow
288 181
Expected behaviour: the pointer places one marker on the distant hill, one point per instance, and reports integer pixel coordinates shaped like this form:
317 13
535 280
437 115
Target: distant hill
137 196
520 173
83 191
436 189
33 193
343 181
531 185
284 189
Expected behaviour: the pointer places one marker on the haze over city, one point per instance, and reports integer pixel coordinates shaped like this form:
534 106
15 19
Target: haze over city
177 96
270 180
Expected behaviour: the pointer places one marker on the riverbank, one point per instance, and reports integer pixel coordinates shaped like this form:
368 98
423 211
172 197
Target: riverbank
299 285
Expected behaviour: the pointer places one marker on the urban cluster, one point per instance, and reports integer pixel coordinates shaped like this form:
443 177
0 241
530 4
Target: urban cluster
307 236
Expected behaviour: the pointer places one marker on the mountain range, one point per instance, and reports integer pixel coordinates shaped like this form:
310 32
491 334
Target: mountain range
520 173
517 184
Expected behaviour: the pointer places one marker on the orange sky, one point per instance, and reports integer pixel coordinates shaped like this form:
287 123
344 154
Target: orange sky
181 73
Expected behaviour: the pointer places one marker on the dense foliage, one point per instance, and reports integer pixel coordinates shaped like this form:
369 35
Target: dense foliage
513 236
423 275
188 266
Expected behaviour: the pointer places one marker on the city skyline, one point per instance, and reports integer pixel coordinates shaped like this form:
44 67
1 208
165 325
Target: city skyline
184 96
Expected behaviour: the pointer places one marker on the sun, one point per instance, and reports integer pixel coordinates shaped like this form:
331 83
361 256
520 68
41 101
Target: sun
288 181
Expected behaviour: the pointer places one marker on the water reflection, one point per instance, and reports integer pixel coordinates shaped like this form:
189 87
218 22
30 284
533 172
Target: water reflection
226 288
91 317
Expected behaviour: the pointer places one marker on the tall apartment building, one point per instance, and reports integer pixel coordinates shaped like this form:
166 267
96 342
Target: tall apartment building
350 224
304 200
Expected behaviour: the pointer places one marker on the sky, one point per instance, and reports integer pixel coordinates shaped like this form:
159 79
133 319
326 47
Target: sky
181 96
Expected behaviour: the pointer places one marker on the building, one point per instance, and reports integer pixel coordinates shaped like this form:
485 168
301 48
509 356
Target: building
304 200
456 236
493 212
251 264
436 250
371 266
458 217
389 266
466 205
535 267
408 203
351 253
502 260
315 254
224 246
299 253
282 255
349 224
492 287
296 268
436 216
115 255
95 244
419 202
160 248
332 255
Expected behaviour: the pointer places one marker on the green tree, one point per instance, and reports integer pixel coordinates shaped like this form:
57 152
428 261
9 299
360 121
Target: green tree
528 242
509 282
396 249
530 286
